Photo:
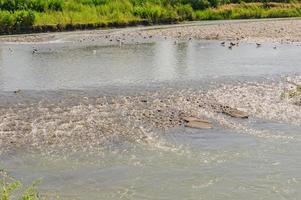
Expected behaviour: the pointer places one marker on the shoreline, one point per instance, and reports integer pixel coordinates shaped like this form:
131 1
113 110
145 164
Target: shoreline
282 30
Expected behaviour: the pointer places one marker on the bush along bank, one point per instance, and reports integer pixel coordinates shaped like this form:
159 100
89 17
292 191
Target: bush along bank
26 16
16 22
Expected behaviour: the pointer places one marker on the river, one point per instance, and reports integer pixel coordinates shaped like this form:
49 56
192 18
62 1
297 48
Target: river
50 87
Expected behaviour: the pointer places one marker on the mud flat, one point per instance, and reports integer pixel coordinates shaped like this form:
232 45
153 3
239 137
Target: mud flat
271 30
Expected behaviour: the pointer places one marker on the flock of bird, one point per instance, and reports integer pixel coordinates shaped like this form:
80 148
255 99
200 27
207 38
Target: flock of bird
121 41
232 44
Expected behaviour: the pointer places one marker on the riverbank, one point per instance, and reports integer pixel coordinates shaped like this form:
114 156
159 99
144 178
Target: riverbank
269 30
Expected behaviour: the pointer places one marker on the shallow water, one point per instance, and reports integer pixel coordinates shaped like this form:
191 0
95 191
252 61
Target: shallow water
177 163
65 66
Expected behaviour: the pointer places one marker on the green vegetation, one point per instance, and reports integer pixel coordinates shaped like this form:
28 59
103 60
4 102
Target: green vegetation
292 93
13 189
17 16
250 11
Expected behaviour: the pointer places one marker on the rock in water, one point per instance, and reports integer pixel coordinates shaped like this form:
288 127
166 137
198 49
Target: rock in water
199 124
193 122
189 119
236 113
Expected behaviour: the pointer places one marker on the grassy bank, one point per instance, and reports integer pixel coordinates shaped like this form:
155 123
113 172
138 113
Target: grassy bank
19 16
250 11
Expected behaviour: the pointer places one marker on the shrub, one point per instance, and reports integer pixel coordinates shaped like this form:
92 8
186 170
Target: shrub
24 19
6 21
16 21
197 4
38 5
214 3
56 5
185 12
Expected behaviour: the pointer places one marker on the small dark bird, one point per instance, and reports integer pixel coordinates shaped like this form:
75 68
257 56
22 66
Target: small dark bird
274 47
17 91
232 44
34 50
223 43
230 47
258 44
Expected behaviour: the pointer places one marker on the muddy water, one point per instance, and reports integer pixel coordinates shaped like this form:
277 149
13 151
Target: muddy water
78 121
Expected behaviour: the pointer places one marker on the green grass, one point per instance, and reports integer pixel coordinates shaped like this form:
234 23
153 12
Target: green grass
292 93
13 189
18 16
250 11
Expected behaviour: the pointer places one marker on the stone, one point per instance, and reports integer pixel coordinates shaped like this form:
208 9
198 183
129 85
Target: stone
189 119
235 113
199 124
193 122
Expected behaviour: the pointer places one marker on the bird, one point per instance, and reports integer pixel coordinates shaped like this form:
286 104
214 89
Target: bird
274 47
223 43
17 91
258 44
34 50
230 47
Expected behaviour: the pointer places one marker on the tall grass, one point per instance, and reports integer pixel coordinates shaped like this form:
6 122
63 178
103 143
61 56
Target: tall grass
24 15
250 11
